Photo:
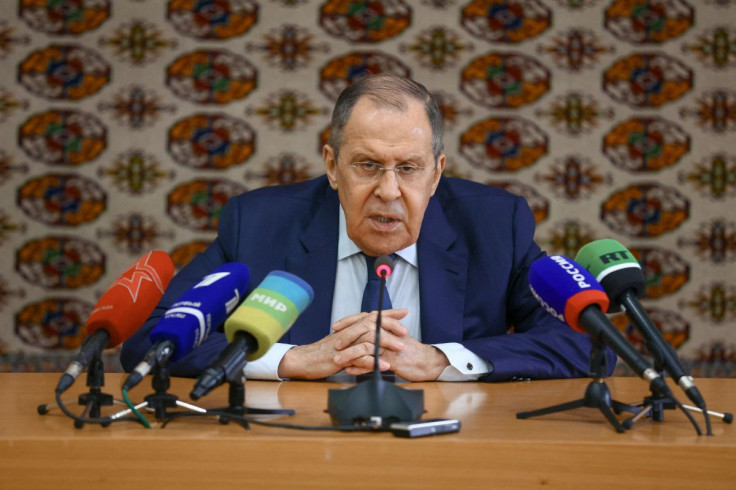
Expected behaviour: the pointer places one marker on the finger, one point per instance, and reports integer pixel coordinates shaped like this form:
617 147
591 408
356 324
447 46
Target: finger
366 363
394 326
343 323
397 313
352 354
392 342
388 340
354 371
390 320
350 336
357 371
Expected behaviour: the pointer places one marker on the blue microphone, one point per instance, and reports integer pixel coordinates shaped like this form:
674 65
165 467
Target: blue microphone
571 293
564 289
188 322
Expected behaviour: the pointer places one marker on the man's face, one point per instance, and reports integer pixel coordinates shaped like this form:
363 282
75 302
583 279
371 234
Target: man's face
384 215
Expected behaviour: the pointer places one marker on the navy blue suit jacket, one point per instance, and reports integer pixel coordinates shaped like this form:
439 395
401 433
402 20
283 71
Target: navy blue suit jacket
474 250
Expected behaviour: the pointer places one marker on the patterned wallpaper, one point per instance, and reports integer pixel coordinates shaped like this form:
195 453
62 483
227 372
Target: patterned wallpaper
125 126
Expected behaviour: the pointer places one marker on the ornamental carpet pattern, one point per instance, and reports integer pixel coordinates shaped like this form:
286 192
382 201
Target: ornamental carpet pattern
125 126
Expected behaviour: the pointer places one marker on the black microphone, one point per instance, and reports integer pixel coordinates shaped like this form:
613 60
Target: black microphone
570 293
623 280
375 403
384 266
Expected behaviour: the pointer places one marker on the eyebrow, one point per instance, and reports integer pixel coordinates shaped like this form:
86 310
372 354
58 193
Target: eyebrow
363 157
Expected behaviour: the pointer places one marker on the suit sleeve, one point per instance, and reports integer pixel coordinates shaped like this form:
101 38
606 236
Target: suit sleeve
538 346
200 358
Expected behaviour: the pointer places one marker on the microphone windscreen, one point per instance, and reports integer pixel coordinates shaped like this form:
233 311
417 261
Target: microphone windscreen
204 307
384 266
129 301
614 267
270 310
565 289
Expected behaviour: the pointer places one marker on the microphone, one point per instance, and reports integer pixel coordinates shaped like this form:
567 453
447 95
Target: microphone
570 293
375 402
623 280
263 318
384 266
121 310
189 321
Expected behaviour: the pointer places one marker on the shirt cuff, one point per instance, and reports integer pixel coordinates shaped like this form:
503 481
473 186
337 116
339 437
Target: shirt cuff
267 366
464 364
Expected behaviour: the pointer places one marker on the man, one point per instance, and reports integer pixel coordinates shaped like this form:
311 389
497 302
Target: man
463 252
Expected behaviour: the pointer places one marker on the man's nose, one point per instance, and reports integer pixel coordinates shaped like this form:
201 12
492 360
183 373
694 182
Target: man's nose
387 187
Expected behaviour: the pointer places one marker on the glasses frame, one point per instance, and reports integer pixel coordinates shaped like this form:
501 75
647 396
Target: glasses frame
381 169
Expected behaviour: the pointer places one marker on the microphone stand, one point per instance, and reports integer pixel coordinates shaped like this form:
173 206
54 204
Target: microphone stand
597 395
236 405
375 402
233 372
160 400
94 399
656 403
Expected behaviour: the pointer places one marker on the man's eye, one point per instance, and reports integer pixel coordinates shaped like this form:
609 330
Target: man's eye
368 166
407 169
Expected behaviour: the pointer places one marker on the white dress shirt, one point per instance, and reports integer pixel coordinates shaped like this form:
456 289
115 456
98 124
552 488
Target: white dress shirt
403 288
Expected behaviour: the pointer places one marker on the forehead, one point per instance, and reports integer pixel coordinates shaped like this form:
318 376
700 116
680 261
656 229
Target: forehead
374 127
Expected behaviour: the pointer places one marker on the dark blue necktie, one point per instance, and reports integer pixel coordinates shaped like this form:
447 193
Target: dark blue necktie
373 286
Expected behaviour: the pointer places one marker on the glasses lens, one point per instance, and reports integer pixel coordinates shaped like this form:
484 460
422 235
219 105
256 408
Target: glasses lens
372 171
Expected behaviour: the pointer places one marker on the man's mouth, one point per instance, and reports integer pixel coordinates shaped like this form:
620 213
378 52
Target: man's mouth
384 219
385 223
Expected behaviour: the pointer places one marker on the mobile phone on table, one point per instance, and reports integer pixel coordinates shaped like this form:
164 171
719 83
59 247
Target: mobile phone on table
430 427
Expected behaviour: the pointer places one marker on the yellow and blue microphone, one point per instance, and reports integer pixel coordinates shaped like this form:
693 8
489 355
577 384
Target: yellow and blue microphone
260 321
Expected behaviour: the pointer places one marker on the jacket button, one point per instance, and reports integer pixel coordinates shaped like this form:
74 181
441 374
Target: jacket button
469 366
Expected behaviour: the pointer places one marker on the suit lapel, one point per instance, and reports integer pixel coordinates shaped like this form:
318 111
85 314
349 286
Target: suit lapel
443 264
316 263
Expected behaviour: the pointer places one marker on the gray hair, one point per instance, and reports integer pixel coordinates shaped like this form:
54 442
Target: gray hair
386 90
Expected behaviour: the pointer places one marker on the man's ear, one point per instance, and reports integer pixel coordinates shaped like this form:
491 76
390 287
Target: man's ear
328 156
441 161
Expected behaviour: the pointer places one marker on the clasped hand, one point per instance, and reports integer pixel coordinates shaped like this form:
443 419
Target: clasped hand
351 346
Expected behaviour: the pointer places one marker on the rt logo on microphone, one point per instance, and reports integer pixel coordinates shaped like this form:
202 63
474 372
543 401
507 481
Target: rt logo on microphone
614 256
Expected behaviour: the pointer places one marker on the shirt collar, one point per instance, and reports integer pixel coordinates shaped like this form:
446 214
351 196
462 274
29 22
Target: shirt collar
346 247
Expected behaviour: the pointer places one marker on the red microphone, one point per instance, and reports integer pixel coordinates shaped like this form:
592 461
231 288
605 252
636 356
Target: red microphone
126 304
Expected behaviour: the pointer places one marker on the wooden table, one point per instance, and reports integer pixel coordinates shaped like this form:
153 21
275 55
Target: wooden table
574 449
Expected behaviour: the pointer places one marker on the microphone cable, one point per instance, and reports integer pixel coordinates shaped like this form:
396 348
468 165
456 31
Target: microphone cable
690 416
706 416
80 420
143 420
372 427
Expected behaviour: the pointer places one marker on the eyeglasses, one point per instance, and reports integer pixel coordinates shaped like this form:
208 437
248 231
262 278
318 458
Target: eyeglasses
406 173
